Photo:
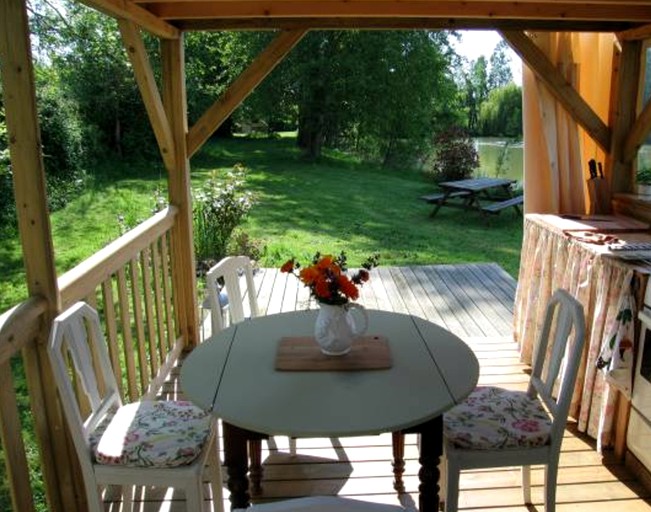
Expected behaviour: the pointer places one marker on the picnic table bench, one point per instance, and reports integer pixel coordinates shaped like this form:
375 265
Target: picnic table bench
472 192
496 208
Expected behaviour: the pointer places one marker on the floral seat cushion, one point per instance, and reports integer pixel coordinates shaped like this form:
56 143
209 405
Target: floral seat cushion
151 434
494 418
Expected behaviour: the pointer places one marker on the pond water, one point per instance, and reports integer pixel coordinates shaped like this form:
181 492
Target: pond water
500 158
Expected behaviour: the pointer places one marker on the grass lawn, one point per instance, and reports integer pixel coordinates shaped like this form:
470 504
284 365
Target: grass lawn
340 203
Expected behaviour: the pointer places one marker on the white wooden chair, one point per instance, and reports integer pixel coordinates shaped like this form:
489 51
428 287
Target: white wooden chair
133 444
322 504
226 302
495 427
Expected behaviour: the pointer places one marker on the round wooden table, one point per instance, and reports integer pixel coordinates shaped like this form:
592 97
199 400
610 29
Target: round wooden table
233 375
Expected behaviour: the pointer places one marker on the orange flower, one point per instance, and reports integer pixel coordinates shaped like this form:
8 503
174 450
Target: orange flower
326 277
325 262
288 266
348 288
322 288
308 275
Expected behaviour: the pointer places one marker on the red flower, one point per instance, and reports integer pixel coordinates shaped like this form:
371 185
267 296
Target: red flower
288 266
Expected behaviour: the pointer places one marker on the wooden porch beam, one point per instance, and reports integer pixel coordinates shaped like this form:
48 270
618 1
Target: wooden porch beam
17 73
124 9
635 34
183 259
637 134
622 113
406 23
148 90
560 88
243 85
589 10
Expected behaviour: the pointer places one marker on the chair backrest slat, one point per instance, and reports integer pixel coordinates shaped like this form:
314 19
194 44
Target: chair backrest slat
77 332
237 275
557 357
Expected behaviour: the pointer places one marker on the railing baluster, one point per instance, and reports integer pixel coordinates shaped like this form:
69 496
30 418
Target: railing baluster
138 321
12 443
111 332
158 295
146 263
127 336
167 291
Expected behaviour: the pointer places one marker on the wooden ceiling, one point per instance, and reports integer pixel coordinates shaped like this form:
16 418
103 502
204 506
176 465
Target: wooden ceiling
166 17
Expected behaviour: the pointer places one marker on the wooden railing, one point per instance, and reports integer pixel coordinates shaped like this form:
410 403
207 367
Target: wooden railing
129 282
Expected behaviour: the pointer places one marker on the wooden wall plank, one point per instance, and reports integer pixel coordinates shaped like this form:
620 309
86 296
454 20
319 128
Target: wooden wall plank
243 85
560 88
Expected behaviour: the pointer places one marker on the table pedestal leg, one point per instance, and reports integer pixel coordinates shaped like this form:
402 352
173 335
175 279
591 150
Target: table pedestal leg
398 439
255 469
431 450
235 460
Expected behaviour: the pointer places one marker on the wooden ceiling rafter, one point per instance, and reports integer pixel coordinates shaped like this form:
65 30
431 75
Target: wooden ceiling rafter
151 97
241 87
559 87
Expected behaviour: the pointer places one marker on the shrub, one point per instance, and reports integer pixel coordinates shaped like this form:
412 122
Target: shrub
456 156
220 206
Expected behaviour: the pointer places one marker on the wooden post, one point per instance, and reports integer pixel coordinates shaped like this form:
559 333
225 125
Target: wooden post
36 239
183 260
622 114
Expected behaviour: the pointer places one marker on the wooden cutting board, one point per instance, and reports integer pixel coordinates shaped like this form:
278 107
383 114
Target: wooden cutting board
302 353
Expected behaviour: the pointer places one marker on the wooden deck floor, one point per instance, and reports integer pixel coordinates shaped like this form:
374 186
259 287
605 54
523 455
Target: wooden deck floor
475 302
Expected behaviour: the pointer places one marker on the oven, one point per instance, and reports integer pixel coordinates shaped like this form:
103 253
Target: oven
638 437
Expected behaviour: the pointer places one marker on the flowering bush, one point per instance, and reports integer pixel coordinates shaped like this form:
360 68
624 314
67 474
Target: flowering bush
326 277
219 207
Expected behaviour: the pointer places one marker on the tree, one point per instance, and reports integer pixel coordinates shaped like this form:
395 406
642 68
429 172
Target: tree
350 91
475 87
501 113
499 73
84 49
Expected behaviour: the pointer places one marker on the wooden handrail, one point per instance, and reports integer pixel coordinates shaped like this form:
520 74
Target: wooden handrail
82 280
19 325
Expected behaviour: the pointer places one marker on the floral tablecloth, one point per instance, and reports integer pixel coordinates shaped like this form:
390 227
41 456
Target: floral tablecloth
605 288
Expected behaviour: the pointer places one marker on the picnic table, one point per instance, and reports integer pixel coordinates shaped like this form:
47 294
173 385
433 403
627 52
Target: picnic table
488 196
